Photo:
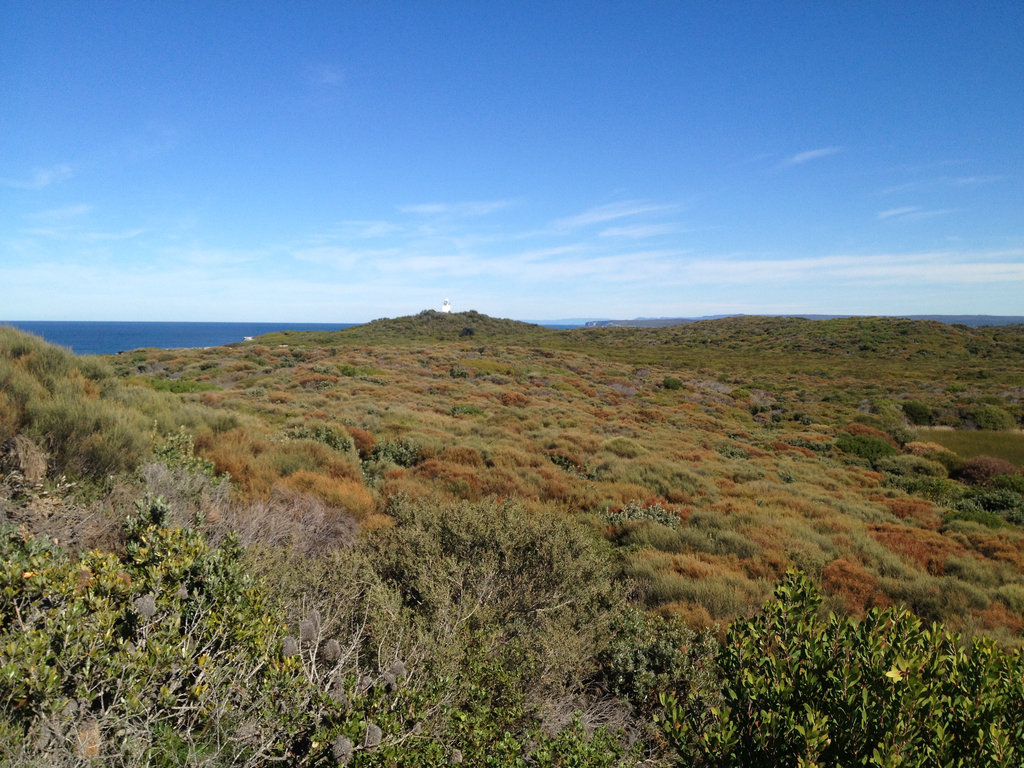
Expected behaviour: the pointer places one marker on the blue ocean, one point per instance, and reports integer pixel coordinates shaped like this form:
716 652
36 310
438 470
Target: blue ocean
104 338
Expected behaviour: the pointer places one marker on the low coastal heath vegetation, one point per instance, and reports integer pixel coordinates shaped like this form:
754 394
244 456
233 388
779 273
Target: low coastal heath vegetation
405 544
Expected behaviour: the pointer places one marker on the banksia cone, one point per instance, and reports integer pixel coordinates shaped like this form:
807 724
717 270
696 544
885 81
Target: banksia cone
332 650
145 605
374 736
337 690
289 647
342 749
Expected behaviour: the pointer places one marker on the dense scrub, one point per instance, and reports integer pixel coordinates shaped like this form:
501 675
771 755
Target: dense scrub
512 544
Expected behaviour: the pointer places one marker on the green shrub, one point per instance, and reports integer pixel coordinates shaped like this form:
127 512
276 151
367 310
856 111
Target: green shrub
465 409
179 385
143 654
912 466
332 435
636 510
917 413
990 417
671 383
866 446
800 689
651 655
404 453
623 447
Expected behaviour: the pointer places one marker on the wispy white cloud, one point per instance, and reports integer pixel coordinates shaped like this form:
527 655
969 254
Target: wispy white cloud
61 214
326 74
941 181
812 154
456 210
891 212
338 257
935 268
973 181
611 212
40 178
95 237
912 213
639 231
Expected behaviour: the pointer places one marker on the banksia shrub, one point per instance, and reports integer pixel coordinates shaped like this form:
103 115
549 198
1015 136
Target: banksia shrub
799 688
85 626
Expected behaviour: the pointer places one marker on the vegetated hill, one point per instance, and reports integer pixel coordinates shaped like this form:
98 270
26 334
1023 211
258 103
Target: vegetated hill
715 455
653 322
428 325
496 507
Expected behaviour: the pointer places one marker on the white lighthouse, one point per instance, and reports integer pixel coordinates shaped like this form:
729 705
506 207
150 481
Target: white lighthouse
447 306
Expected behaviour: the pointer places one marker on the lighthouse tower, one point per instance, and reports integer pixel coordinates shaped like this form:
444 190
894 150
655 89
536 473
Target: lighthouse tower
447 306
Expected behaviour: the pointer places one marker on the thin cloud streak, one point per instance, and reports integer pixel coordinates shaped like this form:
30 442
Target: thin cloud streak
611 212
812 154
40 178
456 210
890 213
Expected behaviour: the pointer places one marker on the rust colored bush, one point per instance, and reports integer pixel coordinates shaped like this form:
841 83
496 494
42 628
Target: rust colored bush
929 549
998 615
343 493
982 470
363 440
462 454
513 399
240 454
916 509
924 449
857 587
864 429
455 479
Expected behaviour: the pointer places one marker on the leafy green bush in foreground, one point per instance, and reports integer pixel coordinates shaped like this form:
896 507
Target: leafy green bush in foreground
802 690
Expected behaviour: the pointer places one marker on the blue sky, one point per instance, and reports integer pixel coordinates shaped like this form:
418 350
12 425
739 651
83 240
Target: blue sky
339 162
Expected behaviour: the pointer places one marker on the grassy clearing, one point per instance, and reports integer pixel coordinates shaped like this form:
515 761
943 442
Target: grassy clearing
970 443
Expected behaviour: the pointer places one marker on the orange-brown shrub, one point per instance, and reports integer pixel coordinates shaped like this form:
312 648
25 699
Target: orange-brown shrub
364 441
916 509
780 446
279 397
695 616
239 453
515 399
583 386
929 549
864 429
998 615
456 479
924 449
462 454
999 547
314 380
857 587
344 493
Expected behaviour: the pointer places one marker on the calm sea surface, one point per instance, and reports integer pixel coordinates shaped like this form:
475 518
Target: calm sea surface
102 338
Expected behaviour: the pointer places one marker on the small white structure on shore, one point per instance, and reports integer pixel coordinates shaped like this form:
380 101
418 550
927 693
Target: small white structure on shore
447 306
